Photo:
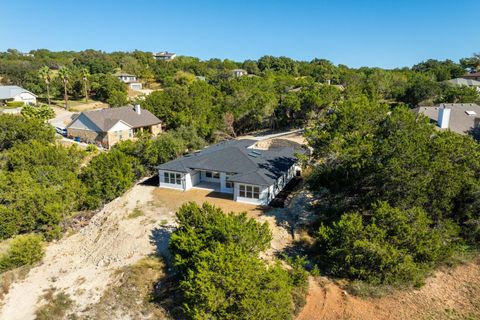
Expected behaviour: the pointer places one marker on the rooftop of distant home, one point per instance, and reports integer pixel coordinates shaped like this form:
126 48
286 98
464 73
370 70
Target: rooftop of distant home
462 118
105 119
10 92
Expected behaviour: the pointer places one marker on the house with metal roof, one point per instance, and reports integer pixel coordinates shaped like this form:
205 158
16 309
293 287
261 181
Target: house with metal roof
16 93
235 167
106 127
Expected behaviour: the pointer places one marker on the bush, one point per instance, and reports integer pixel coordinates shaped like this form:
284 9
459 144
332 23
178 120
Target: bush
394 247
221 276
109 175
14 104
24 250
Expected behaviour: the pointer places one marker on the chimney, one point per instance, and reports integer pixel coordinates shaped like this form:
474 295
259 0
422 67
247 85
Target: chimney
137 109
443 118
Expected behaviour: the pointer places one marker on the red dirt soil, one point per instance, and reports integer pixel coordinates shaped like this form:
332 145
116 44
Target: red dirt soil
449 294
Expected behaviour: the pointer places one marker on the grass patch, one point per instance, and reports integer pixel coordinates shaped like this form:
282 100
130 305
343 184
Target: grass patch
130 295
135 213
56 307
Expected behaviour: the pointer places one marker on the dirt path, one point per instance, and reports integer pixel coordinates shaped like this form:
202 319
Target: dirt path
448 294
82 264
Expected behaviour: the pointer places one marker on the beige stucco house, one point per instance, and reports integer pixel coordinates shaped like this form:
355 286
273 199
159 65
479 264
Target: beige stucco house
106 127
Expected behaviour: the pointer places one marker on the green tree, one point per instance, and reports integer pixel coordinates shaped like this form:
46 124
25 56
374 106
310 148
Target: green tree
64 74
108 175
44 74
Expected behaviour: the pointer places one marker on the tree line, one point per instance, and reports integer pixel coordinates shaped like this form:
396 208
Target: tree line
278 92
396 196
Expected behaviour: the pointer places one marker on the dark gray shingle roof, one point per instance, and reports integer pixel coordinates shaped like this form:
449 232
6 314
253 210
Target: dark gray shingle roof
248 165
106 118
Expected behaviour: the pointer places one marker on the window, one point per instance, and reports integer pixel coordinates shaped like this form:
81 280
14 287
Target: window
208 174
130 133
172 178
242 191
249 192
216 175
229 184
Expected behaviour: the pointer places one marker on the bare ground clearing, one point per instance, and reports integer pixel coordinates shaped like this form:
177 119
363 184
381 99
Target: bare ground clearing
81 265
451 293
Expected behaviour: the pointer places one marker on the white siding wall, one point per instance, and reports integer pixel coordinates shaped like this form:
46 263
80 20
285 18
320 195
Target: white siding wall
26 97
185 185
263 199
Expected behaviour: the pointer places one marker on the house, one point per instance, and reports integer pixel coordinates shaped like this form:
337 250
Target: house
472 76
464 82
235 167
130 80
16 93
239 72
164 55
462 118
106 127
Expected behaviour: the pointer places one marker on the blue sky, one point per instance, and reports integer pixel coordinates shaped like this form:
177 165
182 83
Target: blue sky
384 33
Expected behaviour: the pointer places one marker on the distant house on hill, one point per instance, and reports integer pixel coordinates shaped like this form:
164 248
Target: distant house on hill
239 72
16 93
130 80
164 55
107 127
472 76
462 118
236 167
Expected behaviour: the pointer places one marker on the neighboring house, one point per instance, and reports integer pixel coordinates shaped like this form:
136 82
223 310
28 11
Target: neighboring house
234 167
106 127
164 55
472 76
16 93
464 82
462 118
239 72
130 80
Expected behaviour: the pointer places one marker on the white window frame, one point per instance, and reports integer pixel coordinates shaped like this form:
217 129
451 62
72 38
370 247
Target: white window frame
248 191
172 178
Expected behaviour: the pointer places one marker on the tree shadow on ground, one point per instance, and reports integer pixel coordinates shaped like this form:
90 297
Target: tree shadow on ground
167 293
160 237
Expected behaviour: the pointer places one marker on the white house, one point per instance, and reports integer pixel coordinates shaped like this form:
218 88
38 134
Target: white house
16 93
239 72
164 55
234 167
130 80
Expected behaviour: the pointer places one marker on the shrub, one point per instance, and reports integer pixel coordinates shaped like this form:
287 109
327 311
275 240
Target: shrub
14 104
394 247
221 276
24 250
109 175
